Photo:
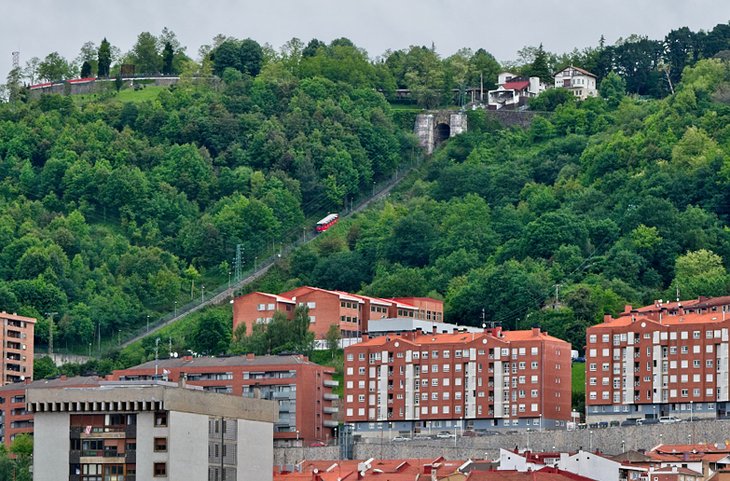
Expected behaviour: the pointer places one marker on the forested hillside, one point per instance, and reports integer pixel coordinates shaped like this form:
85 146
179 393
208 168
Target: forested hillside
602 203
110 211
121 205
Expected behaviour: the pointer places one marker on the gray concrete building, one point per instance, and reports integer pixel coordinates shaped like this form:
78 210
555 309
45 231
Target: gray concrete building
150 430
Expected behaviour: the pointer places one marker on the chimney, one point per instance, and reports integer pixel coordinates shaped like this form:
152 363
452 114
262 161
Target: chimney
627 308
365 337
182 380
535 331
250 355
63 377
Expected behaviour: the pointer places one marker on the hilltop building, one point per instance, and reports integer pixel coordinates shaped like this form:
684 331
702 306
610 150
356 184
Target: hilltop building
580 82
513 91
303 390
416 382
661 360
150 430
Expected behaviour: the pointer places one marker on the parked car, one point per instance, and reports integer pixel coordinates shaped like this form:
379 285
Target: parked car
399 439
669 420
445 435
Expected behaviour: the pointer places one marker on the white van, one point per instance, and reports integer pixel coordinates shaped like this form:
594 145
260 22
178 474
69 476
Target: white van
669 420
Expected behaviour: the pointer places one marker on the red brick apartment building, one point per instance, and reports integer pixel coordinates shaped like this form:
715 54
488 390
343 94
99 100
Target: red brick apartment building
303 389
668 359
473 381
14 418
17 348
351 312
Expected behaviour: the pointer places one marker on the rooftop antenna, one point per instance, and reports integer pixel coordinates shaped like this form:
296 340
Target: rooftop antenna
16 60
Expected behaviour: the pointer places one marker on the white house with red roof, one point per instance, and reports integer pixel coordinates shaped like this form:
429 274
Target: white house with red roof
513 91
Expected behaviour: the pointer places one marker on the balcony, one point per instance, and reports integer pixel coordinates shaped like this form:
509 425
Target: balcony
330 410
330 396
331 383
328 423
282 395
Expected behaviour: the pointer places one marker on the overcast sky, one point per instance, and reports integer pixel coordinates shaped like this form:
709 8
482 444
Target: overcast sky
38 27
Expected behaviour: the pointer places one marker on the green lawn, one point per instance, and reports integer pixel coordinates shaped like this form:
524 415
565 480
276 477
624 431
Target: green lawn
142 95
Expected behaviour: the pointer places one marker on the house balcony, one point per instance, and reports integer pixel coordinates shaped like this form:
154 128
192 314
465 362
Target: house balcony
330 410
331 383
330 423
330 396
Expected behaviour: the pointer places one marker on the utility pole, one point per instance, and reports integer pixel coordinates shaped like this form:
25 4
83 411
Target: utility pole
157 348
237 263
557 295
50 331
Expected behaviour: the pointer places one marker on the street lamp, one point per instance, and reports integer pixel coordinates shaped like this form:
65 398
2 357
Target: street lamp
175 311
528 439
691 410
297 435
148 323
202 294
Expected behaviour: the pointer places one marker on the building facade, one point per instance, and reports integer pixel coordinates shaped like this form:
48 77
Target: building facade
666 362
415 382
580 82
303 390
351 313
15 419
17 348
129 431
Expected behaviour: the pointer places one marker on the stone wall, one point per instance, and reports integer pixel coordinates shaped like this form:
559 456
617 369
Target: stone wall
513 118
608 440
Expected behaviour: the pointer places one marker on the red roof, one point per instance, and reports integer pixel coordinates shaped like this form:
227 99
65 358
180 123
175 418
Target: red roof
544 474
518 85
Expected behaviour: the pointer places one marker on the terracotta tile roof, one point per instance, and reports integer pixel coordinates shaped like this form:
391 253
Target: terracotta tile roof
527 335
517 85
544 474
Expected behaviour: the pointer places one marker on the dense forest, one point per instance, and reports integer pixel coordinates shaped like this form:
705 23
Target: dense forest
603 203
114 211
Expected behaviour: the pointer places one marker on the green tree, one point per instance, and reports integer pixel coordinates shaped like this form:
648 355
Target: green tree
168 55
85 70
333 338
539 66
44 368
54 68
252 57
613 89
212 332
145 54
700 273
104 57
550 99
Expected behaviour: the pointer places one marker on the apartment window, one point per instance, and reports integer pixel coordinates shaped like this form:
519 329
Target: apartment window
685 392
160 469
311 305
435 354
161 418
533 393
592 366
160 445
361 370
350 357
592 339
361 398
695 334
434 382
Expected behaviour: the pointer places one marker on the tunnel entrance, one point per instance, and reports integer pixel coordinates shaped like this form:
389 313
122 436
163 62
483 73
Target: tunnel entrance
443 132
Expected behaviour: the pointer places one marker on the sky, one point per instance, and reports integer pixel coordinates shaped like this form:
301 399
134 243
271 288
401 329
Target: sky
38 27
